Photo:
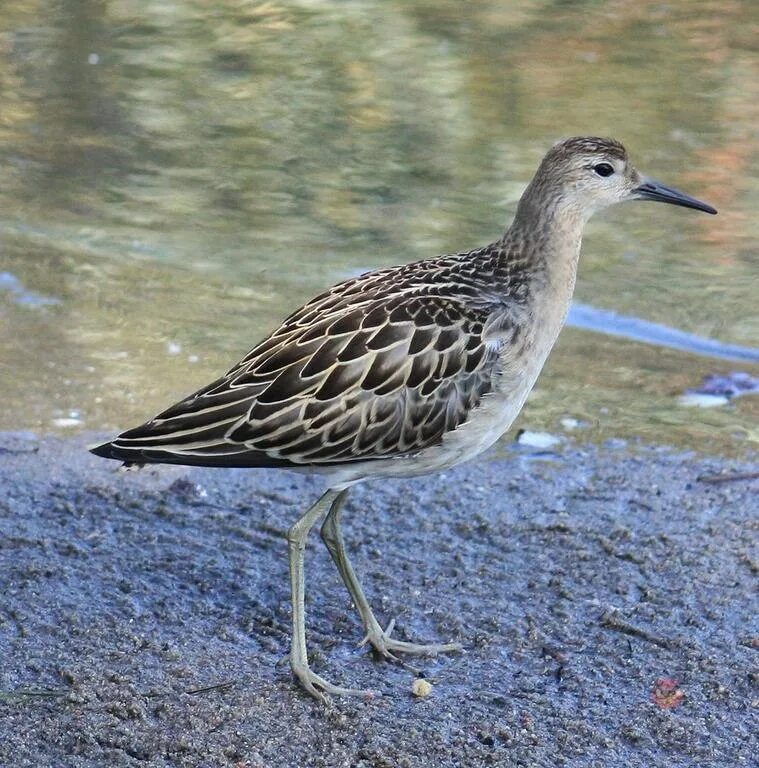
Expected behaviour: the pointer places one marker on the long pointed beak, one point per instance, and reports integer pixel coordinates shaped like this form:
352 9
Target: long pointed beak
661 193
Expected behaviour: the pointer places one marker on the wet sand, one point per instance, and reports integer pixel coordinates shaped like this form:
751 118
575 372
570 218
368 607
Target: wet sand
145 616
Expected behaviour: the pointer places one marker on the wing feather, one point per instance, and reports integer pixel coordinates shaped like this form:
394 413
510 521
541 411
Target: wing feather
367 371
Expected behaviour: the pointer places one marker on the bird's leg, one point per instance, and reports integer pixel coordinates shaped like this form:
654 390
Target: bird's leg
296 538
379 638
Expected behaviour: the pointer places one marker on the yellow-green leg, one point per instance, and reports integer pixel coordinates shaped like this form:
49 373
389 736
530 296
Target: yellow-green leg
296 538
379 638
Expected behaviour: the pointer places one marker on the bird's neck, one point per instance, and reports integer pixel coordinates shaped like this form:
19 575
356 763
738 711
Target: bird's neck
536 270
546 236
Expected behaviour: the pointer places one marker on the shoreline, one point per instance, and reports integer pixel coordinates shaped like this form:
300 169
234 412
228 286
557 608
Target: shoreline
155 605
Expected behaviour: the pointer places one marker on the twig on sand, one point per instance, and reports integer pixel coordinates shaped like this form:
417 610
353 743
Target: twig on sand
612 620
31 693
217 687
728 477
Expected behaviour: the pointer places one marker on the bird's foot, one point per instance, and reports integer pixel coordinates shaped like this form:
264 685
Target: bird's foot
317 686
387 646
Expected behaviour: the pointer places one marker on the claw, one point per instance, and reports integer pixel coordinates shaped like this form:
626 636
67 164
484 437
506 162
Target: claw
384 644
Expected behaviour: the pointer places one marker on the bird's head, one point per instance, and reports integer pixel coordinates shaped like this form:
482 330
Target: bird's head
584 174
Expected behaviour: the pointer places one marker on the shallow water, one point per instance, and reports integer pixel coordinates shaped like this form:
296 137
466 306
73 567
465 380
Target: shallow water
175 177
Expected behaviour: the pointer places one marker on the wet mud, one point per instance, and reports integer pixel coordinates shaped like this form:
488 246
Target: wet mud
605 598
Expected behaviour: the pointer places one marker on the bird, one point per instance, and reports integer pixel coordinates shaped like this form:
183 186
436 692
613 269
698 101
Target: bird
401 371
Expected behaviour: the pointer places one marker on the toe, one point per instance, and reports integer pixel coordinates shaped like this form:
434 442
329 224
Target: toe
317 686
308 686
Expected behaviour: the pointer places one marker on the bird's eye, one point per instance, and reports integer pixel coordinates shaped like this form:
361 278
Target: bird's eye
603 169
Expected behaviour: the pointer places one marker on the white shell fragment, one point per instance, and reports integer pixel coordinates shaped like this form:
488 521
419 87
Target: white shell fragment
540 440
701 400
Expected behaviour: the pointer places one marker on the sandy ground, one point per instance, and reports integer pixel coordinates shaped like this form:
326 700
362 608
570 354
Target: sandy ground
145 616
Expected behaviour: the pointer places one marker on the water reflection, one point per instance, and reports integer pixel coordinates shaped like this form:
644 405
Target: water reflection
182 175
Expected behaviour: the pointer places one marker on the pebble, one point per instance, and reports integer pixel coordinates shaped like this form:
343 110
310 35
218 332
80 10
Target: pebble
421 688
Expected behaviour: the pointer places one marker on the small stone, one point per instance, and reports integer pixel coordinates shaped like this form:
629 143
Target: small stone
187 490
421 688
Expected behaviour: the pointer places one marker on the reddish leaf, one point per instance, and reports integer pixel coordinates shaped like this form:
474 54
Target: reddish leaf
666 693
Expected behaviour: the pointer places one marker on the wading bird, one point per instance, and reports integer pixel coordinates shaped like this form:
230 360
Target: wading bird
401 371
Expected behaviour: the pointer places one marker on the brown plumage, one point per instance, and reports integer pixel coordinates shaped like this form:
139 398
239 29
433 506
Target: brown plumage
401 371
378 366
